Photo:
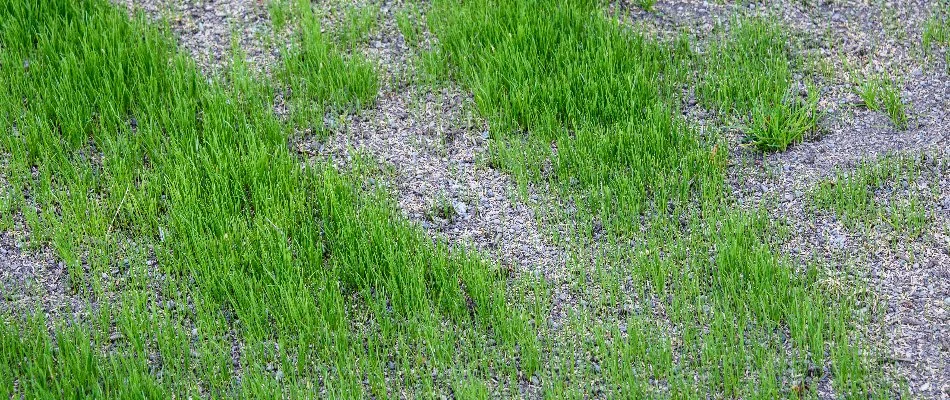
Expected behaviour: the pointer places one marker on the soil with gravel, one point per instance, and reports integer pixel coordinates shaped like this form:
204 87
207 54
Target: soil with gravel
33 281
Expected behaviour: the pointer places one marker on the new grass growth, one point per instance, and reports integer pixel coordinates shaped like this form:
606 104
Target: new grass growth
937 29
224 266
856 197
881 93
318 73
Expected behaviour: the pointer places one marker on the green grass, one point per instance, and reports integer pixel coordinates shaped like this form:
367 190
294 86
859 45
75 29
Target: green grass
646 5
881 93
573 81
852 196
358 24
320 283
937 29
410 22
319 75
748 73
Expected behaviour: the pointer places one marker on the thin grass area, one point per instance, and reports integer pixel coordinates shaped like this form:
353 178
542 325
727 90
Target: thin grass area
272 278
881 93
578 101
937 29
852 196
748 73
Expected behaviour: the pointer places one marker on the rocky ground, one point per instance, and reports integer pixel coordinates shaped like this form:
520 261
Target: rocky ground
432 148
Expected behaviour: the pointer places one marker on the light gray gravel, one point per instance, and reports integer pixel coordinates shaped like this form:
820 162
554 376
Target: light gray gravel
205 28
435 148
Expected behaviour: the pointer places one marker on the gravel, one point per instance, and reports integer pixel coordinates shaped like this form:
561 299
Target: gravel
205 28
435 149
435 146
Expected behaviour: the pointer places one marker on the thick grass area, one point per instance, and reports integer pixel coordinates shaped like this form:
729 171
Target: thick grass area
572 97
213 263
579 102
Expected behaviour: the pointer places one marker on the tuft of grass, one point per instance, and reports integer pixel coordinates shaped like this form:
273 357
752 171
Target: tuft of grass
775 127
357 25
748 74
646 5
880 93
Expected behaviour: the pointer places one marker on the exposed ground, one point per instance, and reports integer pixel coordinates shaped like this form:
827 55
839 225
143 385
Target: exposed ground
426 144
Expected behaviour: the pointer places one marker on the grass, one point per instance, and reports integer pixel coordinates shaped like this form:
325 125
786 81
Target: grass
286 279
358 24
319 74
937 29
748 73
409 20
646 5
880 93
317 281
856 197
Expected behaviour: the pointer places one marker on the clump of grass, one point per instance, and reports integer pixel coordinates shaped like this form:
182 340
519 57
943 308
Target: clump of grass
881 93
319 74
748 73
441 208
278 10
646 5
775 127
